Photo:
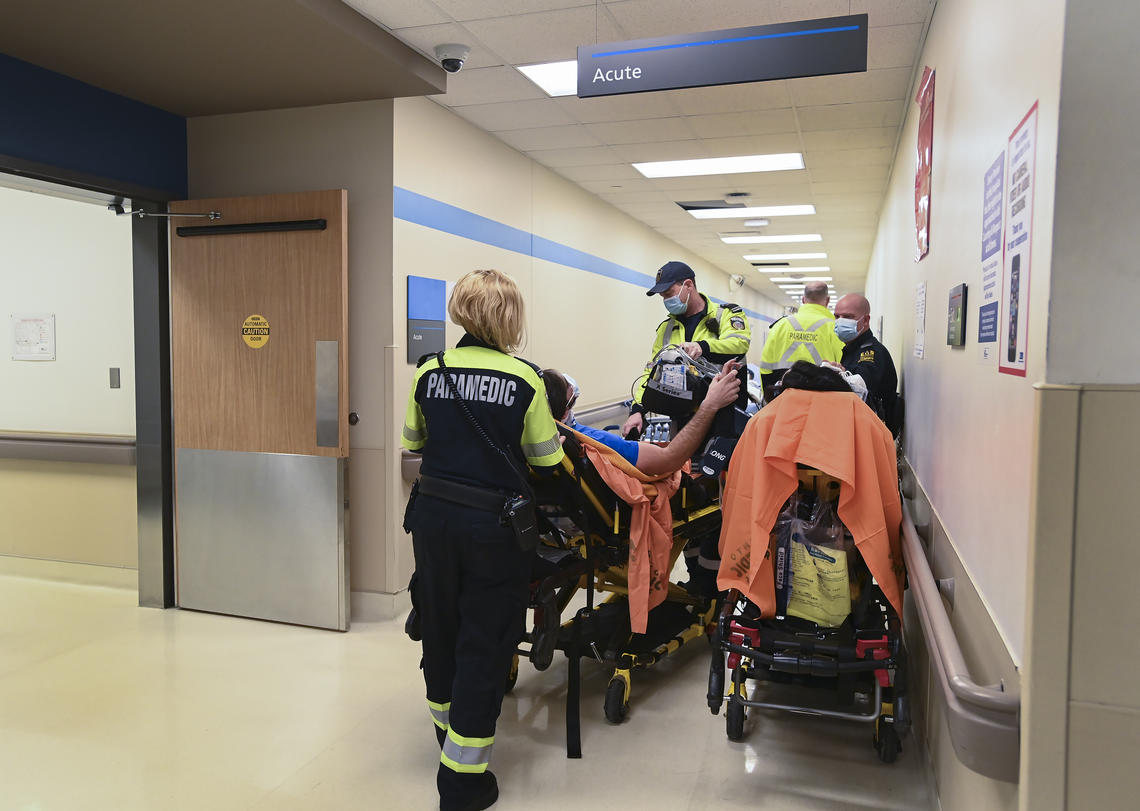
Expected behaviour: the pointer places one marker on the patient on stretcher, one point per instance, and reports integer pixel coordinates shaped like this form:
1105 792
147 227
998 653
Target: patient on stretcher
654 460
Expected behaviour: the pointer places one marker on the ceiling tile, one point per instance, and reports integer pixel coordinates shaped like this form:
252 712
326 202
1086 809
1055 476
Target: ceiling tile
563 137
614 172
893 12
618 108
628 132
399 13
663 151
844 187
516 115
753 145
893 46
848 157
622 196
425 38
466 10
851 116
548 36
615 184
657 18
486 86
575 156
873 85
731 98
849 172
764 122
867 138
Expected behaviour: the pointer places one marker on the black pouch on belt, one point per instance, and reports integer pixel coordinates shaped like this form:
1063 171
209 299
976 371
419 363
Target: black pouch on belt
518 514
411 506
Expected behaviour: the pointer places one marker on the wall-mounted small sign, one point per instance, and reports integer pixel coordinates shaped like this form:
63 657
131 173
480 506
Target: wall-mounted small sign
730 56
33 337
255 331
956 317
427 308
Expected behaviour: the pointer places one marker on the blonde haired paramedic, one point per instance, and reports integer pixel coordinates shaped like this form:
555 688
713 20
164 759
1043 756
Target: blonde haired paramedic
471 578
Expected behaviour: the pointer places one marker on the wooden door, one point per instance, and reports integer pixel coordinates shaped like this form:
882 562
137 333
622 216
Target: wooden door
258 395
259 345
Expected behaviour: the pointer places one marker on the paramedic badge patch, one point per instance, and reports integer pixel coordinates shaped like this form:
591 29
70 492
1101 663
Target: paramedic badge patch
867 356
737 323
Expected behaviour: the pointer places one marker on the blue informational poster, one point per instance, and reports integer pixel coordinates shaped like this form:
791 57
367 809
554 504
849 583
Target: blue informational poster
427 309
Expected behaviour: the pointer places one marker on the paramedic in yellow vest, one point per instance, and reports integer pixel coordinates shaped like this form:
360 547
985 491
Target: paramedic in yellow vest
808 335
716 332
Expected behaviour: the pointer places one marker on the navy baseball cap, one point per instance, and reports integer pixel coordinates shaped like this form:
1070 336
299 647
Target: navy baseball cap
669 275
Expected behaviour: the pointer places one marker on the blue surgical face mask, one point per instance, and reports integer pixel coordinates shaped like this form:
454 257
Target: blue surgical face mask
675 306
847 329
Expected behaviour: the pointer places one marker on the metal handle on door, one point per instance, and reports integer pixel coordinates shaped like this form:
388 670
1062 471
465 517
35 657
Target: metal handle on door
353 418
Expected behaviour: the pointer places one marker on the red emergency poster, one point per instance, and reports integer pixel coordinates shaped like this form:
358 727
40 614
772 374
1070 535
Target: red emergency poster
925 101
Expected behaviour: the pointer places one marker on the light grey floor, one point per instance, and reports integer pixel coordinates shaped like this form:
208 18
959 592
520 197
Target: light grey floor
104 705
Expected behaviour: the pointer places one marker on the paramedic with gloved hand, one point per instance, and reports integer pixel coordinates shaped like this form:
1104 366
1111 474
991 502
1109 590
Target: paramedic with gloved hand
562 392
717 333
479 417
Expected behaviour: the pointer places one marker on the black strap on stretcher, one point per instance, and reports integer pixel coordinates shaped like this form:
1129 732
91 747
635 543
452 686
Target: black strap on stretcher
582 629
463 494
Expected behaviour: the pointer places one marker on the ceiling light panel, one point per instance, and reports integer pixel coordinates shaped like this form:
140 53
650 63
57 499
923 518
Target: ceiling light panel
723 166
779 257
770 238
555 78
750 211
779 279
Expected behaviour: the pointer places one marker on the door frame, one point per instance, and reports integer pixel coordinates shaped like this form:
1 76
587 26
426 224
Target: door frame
151 311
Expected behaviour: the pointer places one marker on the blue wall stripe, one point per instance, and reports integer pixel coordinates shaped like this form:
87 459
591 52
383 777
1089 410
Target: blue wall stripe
431 213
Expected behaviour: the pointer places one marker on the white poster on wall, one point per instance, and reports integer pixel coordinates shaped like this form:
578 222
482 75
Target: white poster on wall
33 337
1013 328
920 320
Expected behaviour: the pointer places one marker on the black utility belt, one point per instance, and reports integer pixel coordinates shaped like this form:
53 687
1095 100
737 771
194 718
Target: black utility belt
463 494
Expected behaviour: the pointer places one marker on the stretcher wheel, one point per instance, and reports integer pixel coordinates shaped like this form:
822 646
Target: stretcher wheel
617 702
887 742
513 674
734 719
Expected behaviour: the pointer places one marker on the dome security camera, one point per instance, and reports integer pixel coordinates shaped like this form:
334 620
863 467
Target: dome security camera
452 55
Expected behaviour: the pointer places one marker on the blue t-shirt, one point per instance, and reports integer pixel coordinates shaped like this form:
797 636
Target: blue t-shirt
627 448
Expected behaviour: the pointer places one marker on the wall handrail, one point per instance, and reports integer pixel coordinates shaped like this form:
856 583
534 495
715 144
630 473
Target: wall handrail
984 721
58 447
942 633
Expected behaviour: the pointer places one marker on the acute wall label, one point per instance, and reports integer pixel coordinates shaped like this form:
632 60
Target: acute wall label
729 56
255 331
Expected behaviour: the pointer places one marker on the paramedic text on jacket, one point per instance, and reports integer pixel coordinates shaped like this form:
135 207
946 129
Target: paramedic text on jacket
471 583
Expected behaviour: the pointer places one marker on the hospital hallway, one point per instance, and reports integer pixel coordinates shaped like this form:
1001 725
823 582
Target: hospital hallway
109 707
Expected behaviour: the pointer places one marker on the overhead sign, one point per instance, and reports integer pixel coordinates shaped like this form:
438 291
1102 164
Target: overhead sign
731 56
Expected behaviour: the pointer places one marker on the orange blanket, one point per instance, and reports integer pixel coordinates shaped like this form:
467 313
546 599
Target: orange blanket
651 527
830 431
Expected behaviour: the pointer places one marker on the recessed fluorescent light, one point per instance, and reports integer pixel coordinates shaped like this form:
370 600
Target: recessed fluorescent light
754 223
795 270
722 166
767 257
555 78
777 280
772 238
750 211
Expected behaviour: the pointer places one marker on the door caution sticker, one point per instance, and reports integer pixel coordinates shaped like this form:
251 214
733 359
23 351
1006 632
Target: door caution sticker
255 331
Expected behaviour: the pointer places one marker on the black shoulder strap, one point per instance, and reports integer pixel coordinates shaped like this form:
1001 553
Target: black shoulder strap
475 423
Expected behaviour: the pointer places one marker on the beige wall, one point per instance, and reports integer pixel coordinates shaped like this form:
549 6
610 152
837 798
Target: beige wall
72 259
82 513
971 432
969 429
417 145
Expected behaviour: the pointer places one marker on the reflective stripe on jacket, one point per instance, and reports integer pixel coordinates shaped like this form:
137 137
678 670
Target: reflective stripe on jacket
808 335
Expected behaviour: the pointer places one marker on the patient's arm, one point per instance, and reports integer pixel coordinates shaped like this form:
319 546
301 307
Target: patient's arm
656 460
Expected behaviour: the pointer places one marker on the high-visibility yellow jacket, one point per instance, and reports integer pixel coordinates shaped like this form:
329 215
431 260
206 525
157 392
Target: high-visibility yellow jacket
808 335
723 334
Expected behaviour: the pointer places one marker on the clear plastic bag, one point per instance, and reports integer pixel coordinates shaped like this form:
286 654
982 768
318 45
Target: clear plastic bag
811 567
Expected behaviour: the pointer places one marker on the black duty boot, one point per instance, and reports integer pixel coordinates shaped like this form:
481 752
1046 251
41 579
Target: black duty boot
466 792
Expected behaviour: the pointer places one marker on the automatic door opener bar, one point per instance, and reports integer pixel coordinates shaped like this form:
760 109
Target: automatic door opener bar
120 212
